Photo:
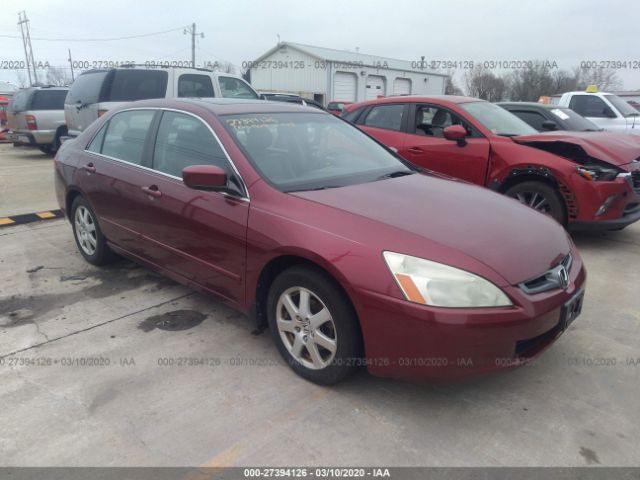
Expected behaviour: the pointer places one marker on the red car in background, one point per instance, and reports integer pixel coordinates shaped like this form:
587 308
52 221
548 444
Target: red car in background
583 180
351 255
337 107
4 102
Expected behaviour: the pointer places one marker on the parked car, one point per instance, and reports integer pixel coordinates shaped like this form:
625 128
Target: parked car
4 102
606 110
96 91
337 107
583 180
35 117
549 118
352 256
290 98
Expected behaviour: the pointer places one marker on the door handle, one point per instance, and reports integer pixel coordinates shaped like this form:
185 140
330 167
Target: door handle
416 150
152 191
90 167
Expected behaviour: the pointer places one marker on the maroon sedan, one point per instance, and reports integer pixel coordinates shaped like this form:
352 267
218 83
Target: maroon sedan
587 181
351 255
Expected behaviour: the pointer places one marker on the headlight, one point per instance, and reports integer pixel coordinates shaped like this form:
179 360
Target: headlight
431 283
598 173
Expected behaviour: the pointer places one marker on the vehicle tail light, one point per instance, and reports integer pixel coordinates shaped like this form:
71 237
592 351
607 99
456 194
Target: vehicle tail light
101 112
31 122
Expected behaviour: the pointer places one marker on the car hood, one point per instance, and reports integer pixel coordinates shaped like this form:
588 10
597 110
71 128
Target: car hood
614 148
514 241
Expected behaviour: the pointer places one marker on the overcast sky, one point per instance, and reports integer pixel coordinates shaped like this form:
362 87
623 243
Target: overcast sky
240 30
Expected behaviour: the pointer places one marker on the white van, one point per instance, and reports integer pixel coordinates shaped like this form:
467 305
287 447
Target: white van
96 91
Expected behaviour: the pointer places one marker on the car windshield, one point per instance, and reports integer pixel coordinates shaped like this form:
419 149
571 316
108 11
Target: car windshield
622 106
497 119
573 121
311 151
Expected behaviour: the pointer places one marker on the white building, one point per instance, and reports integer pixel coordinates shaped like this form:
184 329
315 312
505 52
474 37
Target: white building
325 74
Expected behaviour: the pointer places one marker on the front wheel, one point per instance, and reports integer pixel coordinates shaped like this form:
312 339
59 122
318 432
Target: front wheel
541 197
314 325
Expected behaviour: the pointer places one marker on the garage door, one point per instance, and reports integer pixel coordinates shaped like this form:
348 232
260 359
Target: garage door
402 86
375 87
344 87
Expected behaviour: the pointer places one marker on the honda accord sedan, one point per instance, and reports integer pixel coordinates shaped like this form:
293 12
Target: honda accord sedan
349 254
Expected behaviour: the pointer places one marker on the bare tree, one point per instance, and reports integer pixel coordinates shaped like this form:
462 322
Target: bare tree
450 87
532 82
604 78
482 83
58 76
224 67
22 79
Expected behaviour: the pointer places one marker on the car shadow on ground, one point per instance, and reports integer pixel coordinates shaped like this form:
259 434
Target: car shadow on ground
598 239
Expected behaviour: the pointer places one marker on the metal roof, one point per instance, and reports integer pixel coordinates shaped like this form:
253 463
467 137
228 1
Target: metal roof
345 56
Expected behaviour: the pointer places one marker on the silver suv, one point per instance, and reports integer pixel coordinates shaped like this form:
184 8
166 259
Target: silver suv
96 91
35 117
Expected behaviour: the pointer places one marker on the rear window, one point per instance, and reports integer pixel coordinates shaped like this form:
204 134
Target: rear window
48 100
235 88
86 88
130 85
20 101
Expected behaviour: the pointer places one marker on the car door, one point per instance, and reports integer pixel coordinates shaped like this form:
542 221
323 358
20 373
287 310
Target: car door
425 145
113 172
200 235
598 111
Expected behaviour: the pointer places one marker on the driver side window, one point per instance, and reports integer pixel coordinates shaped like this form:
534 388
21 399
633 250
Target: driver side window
431 120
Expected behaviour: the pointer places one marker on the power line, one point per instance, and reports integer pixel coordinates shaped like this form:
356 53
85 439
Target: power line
96 39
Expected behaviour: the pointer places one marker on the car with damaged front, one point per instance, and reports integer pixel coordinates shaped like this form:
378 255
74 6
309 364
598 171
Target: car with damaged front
586 181
349 254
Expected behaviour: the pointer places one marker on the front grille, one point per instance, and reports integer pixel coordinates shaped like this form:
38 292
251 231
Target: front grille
635 181
550 279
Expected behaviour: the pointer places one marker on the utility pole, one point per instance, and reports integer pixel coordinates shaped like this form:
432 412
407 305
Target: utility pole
71 65
192 31
23 21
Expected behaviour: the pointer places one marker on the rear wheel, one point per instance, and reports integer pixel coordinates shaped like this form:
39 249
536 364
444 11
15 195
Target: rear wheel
541 197
313 325
89 238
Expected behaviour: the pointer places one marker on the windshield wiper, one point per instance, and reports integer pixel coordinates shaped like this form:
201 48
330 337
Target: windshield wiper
398 173
324 187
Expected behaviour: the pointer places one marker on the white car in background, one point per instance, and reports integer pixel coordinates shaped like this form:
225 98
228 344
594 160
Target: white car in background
606 110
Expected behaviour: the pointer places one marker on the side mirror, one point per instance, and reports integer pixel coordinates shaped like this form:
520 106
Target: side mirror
549 125
456 133
204 177
609 113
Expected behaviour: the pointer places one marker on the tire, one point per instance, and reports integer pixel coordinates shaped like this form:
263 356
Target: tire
89 238
293 332
541 197
48 149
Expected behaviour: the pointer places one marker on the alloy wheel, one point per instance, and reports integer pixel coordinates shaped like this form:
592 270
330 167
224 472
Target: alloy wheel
306 328
535 200
85 229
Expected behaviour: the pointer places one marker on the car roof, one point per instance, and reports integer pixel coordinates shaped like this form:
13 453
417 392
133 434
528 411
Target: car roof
545 106
178 70
421 98
224 106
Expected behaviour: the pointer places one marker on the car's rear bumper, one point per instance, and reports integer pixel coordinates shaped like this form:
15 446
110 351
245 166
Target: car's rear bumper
406 340
32 137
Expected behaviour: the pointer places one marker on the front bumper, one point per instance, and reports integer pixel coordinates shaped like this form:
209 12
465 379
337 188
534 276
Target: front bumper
406 340
623 210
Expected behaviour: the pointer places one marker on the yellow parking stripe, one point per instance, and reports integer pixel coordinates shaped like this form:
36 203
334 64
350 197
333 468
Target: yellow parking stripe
6 221
46 214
